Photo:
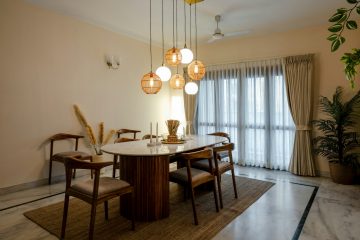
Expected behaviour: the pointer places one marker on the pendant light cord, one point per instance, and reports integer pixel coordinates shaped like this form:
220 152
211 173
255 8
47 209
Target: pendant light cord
196 52
176 23
150 41
162 30
190 27
185 24
173 24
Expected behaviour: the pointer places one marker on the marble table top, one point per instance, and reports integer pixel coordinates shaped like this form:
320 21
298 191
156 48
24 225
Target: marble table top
140 148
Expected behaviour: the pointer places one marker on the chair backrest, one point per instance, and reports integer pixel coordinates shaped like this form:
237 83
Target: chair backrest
72 163
147 136
190 157
221 134
124 131
227 147
120 140
63 136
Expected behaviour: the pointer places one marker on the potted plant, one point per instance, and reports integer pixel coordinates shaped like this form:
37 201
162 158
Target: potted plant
341 20
339 141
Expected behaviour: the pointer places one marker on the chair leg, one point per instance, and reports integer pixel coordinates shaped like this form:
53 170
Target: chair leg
91 171
50 170
133 210
234 182
218 176
215 196
193 206
185 193
106 210
114 166
74 173
65 212
92 221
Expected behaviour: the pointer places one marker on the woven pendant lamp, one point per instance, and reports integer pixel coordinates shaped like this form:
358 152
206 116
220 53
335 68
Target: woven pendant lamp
150 82
173 55
196 69
177 81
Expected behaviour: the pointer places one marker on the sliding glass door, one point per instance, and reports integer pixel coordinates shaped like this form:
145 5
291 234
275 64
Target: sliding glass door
249 102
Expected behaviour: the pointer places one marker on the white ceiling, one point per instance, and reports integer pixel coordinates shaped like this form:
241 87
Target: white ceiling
131 17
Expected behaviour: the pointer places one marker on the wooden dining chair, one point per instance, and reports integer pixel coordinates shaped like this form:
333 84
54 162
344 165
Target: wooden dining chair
191 177
127 131
75 153
220 166
116 160
94 192
147 136
222 155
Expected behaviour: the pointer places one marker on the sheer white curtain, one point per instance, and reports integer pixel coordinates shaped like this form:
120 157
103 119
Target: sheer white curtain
248 101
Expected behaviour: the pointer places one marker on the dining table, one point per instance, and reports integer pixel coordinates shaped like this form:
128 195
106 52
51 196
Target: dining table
147 169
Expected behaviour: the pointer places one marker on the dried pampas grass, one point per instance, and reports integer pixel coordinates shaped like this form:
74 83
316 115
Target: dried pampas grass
90 133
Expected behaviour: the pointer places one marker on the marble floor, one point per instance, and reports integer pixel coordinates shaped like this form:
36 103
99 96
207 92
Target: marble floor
294 208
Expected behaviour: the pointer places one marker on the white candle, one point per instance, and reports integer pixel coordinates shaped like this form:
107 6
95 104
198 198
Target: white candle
157 132
184 133
150 131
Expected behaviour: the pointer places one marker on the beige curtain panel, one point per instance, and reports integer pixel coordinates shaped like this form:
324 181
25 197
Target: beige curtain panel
298 79
190 108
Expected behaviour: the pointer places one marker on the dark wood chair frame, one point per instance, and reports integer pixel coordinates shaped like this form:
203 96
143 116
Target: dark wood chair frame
228 148
124 131
221 134
73 163
147 136
189 158
59 137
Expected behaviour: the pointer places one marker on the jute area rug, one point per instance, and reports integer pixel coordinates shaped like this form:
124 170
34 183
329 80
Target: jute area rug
179 225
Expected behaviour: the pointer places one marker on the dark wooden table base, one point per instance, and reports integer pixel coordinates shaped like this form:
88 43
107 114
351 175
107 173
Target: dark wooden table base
150 177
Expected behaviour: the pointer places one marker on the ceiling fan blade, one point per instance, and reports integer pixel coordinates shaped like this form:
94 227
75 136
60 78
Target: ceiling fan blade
234 34
211 40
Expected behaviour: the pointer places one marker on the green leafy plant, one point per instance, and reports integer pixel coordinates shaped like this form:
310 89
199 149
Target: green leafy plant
341 21
339 140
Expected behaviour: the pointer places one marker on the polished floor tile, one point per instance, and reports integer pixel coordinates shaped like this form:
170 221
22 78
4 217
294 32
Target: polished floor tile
334 213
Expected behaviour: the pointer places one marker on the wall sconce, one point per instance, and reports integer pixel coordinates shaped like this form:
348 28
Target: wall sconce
112 62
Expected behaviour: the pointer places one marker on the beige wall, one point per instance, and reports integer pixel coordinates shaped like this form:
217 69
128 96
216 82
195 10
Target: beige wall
328 69
48 62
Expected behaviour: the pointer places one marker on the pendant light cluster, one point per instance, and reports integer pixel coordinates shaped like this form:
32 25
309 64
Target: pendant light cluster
151 82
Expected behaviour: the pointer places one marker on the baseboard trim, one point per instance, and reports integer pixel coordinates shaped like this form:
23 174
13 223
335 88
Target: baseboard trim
38 183
322 173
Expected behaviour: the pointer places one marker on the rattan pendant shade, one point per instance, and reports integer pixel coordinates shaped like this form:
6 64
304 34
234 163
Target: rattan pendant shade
177 81
173 56
196 70
151 83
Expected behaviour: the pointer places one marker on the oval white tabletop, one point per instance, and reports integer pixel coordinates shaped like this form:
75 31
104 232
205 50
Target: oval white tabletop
140 148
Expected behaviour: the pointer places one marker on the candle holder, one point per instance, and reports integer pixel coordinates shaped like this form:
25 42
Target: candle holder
157 142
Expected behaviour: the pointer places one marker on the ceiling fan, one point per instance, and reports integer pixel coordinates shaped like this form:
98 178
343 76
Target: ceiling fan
218 35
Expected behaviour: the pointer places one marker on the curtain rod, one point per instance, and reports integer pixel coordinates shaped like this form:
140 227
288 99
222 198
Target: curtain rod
245 60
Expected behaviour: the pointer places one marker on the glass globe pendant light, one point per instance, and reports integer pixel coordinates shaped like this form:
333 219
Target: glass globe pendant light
186 54
163 71
173 55
150 82
191 88
196 69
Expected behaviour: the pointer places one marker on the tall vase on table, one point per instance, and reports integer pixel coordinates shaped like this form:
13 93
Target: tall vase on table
172 126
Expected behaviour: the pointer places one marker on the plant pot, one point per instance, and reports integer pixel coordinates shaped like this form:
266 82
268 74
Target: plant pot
342 174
